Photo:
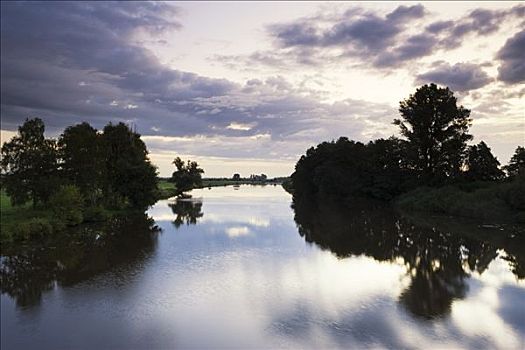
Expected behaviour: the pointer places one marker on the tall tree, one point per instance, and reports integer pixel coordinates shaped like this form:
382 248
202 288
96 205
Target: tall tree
129 175
436 130
82 163
187 176
29 163
516 165
481 164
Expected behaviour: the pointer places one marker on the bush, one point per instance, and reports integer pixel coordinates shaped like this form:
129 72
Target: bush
514 194
496 201
32 229
95 214
67 204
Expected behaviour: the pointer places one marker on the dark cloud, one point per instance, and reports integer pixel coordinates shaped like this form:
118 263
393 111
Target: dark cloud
379 41
404 13
439 26
414 47
366 32
459 77
71 62
512 57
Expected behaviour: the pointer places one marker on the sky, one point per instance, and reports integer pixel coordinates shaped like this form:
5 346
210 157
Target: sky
248 87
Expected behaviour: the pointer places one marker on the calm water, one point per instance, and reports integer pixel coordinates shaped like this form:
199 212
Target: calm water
239 267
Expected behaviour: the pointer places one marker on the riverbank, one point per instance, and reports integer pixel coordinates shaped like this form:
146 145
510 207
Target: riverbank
27 223
486 201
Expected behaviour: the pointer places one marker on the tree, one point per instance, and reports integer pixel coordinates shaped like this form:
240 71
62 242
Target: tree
481 164
29 163
129 175
187 176
236 177
437 132
82 162
516 165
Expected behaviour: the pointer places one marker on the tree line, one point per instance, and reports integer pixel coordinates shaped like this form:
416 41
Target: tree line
432 151
108 168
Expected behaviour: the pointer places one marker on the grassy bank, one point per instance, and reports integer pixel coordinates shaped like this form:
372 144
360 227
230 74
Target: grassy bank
25 222
12 217
504 202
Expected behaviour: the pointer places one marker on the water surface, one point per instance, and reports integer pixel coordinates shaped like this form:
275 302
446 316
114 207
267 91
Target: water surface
239 267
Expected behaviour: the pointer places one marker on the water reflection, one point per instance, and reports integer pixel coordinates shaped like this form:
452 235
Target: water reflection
235 273
187 211
438 260
65 261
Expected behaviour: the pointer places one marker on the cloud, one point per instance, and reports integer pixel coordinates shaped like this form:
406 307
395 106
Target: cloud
512 57
383 42
72 62
459 77
81 60
355 33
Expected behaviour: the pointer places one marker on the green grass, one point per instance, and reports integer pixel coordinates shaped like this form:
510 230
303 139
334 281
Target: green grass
166 189
11 217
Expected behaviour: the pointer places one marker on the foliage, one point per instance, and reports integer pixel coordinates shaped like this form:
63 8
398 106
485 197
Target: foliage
187 176
481 164
30 164
348 168
129 175
67 204
437 132
96 214
497 201
109 169
516 166
82 162
433 154
34 228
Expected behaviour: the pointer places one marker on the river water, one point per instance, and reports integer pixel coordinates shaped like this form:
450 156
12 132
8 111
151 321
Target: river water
241 267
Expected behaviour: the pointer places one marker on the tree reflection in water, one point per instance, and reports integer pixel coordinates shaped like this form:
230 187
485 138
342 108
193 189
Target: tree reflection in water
188 210
76 256
438 259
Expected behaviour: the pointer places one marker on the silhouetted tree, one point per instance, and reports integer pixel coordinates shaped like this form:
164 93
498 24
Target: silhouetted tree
30 164
348 168
389 171
436 130
82 159
187 176
129 175
481 164
236 177
516 165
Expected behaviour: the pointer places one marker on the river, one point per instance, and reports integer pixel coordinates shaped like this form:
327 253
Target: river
240 267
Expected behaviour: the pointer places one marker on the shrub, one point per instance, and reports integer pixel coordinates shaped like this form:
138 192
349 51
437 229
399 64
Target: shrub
514 195
95 214
496 201
32 229
66 205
